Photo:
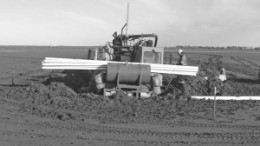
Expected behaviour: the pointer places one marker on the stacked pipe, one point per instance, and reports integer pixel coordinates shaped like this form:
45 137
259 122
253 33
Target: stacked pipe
83 64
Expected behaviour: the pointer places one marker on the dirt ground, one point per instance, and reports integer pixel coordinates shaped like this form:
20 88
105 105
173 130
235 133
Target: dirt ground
52 107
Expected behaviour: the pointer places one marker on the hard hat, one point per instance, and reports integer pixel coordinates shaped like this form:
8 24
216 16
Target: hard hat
180 51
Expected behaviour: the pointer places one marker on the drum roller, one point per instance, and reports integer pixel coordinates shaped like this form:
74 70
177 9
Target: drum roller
130 74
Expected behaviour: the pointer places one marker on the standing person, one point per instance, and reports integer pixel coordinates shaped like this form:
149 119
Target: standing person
182 58
182 61
117 40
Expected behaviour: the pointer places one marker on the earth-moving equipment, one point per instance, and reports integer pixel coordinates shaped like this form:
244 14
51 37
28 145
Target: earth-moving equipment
135 79
134 65
131 77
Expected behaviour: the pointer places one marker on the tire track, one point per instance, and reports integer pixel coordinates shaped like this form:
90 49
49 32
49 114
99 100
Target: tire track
76 115
245 62
168 137
228 137
254 65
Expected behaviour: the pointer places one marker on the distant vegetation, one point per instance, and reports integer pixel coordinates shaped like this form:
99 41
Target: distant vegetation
175 47
214 48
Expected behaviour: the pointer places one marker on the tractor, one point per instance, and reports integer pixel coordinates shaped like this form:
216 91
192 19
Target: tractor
134 79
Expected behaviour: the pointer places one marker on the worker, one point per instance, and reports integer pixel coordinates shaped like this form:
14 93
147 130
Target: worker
182 61
108 52
114 40
182 58
223 75
117 40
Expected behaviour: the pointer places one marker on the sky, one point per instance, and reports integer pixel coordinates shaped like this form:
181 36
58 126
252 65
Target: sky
92 22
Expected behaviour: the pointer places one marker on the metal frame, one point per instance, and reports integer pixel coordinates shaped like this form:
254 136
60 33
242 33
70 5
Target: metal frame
157 50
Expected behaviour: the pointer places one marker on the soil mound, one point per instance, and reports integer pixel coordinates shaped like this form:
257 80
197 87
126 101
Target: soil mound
75 79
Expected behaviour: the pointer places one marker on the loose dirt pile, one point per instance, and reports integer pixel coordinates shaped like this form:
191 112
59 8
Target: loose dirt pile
236 84
58 101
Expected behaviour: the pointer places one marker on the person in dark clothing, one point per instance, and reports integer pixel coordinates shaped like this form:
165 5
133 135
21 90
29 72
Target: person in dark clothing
117 40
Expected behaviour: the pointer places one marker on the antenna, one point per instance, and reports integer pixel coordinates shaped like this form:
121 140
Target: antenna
127 17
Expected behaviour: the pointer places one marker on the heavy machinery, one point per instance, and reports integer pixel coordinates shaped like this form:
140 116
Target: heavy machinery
135 79
132 65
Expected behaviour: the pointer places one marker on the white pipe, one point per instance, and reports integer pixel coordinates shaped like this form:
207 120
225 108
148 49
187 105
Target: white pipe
228 97
72 68
78 64
165 71
103 68
49 59
183 68
103 65
105 62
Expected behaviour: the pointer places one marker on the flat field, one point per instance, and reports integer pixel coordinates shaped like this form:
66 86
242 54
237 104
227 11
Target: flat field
51 108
